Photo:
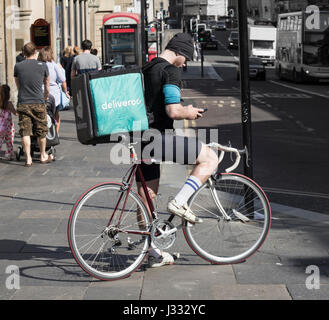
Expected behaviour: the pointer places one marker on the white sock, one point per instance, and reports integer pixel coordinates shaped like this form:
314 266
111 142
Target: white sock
191 185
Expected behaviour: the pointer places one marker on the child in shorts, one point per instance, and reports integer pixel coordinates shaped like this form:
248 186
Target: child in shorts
7 128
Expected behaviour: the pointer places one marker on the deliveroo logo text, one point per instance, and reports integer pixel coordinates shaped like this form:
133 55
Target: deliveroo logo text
119 104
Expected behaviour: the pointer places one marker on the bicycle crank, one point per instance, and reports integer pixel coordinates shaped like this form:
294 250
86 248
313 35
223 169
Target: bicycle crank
163 234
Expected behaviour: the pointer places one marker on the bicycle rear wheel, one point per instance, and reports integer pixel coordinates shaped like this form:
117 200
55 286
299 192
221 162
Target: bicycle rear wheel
235 234
109 249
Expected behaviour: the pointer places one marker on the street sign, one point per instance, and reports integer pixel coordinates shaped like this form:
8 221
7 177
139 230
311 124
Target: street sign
40 33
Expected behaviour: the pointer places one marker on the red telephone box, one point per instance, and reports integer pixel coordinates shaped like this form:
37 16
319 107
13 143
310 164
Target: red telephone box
122 39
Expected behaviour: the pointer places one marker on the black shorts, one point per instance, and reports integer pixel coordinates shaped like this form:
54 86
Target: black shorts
167 147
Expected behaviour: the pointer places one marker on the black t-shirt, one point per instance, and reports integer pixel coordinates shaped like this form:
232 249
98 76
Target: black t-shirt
158 73
31 74
66 62
20 58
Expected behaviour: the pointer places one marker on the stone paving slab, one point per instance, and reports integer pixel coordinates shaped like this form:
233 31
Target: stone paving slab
29 226
250 292
185 282
49 293
125 289
273 274
300 292
46 243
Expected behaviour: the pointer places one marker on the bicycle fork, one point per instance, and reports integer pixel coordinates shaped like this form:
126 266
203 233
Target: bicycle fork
217 201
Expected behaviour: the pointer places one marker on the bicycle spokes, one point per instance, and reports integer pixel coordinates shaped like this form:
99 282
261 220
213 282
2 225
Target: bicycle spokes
109 251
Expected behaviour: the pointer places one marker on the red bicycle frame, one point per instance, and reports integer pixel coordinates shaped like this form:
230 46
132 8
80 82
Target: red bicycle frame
128 186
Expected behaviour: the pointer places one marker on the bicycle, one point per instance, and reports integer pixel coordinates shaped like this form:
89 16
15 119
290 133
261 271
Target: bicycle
110 229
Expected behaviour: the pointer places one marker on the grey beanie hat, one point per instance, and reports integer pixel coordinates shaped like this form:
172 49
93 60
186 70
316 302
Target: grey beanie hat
182 44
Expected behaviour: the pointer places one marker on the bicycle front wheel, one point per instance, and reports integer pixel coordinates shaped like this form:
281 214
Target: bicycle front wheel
236 219
108 232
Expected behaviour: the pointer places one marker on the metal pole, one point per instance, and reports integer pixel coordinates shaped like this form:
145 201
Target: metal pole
5 42
157 37
182 18
146 32
202 59
245 88
143 2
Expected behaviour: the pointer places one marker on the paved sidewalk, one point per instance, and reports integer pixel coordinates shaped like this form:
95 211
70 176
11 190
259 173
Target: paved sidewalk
35 204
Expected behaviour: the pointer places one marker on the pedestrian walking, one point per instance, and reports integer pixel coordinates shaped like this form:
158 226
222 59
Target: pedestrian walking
94 51
76 51
85 61
30 77
197 47
57 80
7 128
66 62
20 57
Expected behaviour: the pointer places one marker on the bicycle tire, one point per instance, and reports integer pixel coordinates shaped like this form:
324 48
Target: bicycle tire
118 253
224 247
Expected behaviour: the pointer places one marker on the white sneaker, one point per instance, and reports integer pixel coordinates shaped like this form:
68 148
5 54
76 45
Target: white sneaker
165 259
183 212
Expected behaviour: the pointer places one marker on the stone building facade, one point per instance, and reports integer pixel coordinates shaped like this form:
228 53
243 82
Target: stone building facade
71 21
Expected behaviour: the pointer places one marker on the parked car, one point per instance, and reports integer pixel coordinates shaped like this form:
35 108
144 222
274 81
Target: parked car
257 69
233 40
221 25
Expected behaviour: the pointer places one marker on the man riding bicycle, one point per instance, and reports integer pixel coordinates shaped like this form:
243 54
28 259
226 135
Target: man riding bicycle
162 78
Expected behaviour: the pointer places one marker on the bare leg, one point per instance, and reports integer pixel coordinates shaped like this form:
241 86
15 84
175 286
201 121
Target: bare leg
58 120
42 146
26 141
206 164
153 187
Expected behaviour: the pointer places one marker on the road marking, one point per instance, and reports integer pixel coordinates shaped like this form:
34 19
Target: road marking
301 90
255 94
287 95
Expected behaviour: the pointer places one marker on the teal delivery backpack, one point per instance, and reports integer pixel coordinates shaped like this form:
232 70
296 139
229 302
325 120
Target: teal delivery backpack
108 103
